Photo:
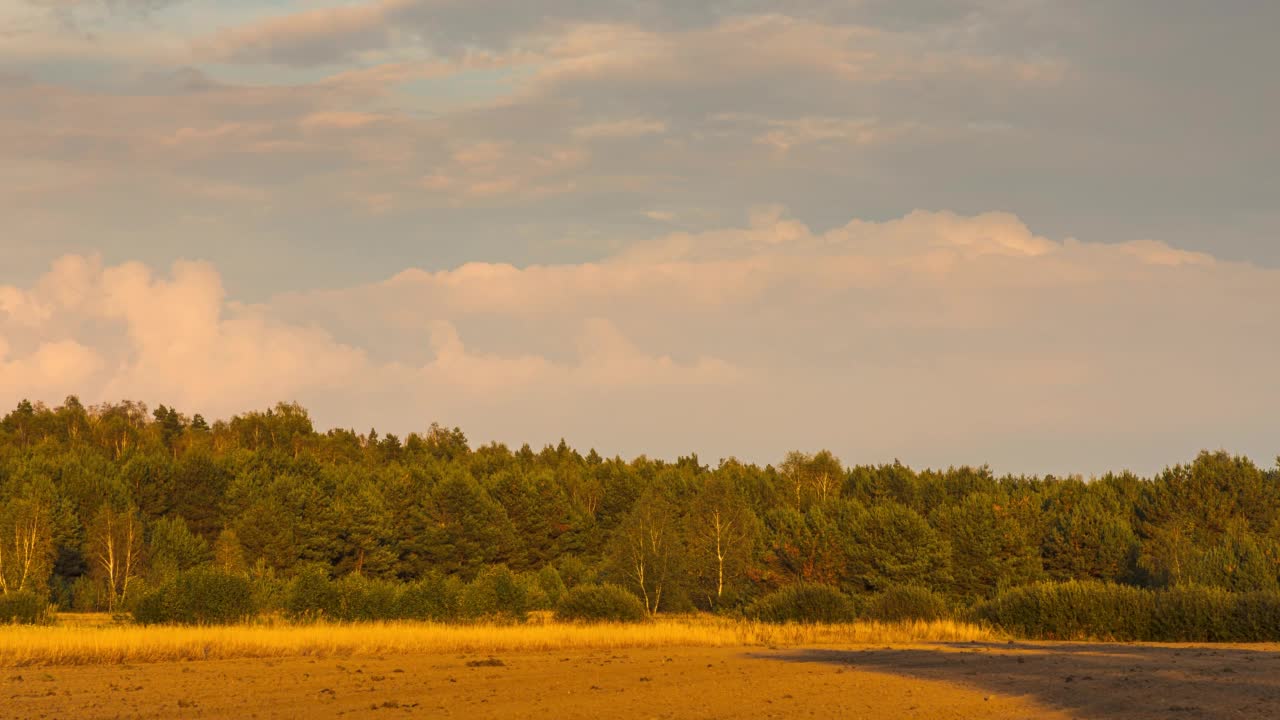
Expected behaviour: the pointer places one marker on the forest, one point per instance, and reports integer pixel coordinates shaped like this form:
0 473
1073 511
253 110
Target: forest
100 506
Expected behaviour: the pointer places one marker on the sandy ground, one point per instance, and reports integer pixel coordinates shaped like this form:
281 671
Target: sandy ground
1024 680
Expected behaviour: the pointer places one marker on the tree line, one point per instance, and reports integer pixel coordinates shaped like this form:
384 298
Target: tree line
98 504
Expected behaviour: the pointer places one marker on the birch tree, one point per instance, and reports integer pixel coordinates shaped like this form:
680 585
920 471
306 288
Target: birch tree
26 545
721 534
646 548
115 550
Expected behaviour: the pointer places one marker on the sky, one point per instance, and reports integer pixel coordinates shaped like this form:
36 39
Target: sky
1037 234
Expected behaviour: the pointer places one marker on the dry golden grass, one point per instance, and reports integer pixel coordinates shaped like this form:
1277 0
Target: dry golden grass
76 643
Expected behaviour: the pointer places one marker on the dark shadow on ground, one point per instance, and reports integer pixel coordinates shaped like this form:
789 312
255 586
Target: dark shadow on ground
1088 680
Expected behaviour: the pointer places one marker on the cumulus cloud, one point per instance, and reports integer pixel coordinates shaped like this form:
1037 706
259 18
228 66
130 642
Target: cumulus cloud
934 337
119 331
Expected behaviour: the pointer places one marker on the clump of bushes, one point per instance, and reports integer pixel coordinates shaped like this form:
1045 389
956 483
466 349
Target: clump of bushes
1256 617
24 608
496 594
803 603
434 598
905 603
1073 610
600 603
361 599
1194 614
312 596
551 585
1077 610
200 597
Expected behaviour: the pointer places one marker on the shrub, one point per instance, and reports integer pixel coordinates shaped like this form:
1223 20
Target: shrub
495 594
435 597
573 572
152 608
1192 614
552 585
24 608
201 597
312 595
270 593
1071 610
905 602
86 595
1090 610
359 599
803 603
1256 617
600 603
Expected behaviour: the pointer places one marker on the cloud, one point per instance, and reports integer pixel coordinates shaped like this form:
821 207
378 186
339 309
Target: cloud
50 367
319 36
444 27
178 337
935 337
633 127
487 169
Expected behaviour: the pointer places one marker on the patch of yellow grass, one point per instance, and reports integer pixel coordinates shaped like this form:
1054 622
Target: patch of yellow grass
81 644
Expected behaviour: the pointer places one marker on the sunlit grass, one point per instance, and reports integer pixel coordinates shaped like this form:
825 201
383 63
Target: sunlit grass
78 643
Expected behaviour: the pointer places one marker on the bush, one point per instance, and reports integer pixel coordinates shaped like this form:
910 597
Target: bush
905 602
495 594
551 584
359 599
1192 614
86 595
803 603
600 603
312 596
270 593
200 597
1072 610
1256 617
436 597
1090 610
573 572
152 608
24 608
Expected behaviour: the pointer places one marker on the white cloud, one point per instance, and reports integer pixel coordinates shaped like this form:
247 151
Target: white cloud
177 339
934 337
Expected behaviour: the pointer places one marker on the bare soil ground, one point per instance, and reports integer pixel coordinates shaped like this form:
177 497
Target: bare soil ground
1022 680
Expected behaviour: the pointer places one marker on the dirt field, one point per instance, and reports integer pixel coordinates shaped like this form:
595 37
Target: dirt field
1024 680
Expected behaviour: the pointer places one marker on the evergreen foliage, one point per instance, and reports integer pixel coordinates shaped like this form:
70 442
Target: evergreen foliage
1088 610
905 603
600 603
24 608
204 596
803 603
113 507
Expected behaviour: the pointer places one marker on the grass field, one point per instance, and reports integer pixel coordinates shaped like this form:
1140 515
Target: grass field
94 640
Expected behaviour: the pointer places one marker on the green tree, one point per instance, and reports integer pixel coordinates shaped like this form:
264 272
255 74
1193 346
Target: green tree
173 549
26 543
721 535
228 553
647 551
891 544
1087 540
115 547
466 528
990 548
